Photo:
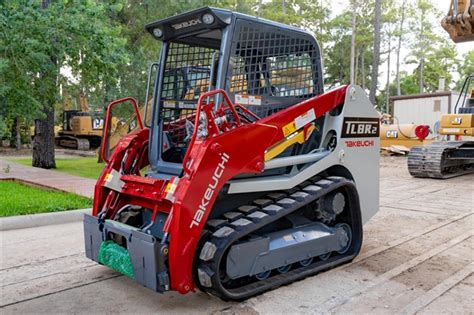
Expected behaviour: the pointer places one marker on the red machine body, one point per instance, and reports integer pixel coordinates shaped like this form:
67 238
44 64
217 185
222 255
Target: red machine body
209 163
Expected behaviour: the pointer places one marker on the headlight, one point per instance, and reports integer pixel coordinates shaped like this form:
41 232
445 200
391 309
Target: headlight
208 18
157 32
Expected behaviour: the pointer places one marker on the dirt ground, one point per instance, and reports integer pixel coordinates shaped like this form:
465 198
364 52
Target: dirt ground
417 257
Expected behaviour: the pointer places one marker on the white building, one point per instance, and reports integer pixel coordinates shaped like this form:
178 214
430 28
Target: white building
423 109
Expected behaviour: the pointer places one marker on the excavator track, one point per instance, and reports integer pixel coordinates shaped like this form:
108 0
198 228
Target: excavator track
441 160
247 220
71 142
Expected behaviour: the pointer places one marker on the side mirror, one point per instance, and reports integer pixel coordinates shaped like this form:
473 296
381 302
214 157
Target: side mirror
123 117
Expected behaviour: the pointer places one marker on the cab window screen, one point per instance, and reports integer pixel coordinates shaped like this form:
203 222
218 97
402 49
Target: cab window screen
291 75
187 72
186 76
281 67
274 64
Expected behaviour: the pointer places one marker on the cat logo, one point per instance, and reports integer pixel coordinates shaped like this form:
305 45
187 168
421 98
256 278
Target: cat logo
392 134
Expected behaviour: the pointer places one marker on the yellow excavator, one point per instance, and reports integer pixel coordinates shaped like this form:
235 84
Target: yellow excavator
459 22
81 129
452 157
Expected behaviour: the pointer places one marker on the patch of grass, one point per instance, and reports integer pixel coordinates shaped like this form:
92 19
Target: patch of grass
83 166
19 199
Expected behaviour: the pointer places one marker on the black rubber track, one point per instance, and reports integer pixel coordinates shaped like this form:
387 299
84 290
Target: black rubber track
433 160
224 232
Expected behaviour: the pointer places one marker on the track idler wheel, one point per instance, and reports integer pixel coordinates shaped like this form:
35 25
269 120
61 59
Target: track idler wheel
325 256
346 237
306 262
284 269
263 275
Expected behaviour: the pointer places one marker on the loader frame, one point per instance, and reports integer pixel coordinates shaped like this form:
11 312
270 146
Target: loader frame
237 146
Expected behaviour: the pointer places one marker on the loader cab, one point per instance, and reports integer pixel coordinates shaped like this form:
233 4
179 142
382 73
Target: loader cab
262 65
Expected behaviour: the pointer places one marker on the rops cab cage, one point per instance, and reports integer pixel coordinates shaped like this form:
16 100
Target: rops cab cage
263 65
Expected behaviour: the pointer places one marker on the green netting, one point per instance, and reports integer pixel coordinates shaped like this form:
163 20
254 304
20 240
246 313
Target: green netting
116 257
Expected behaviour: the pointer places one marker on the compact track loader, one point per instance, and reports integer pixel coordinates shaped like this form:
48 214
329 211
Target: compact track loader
249 175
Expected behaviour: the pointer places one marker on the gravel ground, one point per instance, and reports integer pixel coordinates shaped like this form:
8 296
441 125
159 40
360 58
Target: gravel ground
417 257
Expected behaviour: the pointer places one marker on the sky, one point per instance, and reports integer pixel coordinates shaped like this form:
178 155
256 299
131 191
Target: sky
337 6
443 6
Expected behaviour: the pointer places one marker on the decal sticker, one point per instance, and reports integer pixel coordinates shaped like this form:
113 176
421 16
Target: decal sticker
97 123
392 134
255 100
359 143
455 130
456 121
360 127
305 119
211 189
112 180
171 188
178 105
289 129
248 99
186 24
169 104
299 122
183 105
241 99
108 178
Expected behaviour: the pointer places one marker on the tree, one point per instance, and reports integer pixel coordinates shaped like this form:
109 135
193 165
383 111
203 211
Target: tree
389 19
353 42
337 62
41 38
376 59
465 68
440 63
399 35
43 146
424 40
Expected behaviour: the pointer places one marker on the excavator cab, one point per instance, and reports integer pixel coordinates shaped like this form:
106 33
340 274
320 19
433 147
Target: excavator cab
459 22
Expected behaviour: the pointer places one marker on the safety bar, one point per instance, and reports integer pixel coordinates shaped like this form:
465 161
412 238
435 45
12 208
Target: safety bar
150 72
466 84
196 120
296 160
107 122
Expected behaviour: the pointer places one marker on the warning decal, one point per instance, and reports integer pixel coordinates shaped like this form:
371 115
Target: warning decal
289 128
299 122
305 119
248 99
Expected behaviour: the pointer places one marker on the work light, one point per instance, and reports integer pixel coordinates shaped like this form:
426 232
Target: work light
157 32
208 18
